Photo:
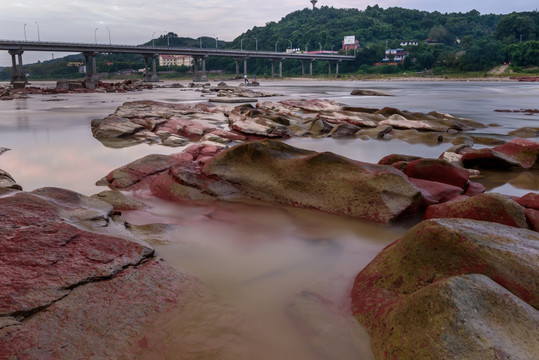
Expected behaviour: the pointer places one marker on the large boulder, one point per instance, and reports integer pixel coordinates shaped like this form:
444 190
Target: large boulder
276 172
415 302
487 207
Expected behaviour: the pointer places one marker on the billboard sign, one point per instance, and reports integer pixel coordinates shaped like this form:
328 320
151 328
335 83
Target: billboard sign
349 40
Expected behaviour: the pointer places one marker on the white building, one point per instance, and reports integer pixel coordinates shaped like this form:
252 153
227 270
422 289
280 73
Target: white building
175 60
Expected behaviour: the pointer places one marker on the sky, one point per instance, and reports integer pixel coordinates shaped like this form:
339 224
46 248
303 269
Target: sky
133 22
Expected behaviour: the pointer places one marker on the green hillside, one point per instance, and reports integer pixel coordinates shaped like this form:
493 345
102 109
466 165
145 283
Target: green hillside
458 42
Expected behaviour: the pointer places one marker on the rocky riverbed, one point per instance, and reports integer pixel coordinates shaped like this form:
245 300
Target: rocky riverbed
80 281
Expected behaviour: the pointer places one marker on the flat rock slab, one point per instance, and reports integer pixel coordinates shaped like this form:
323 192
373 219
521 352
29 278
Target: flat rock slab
232 100
68 293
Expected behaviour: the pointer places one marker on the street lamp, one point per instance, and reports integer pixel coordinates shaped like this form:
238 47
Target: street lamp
290 45
256 44
95 35
276 45
24 28
320 46
168 39
241 44
216 42
153 39
38 39
200 39
110 43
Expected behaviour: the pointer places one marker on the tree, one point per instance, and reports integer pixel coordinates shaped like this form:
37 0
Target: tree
514 28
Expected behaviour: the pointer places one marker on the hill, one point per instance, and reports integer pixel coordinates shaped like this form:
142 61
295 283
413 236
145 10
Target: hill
443 43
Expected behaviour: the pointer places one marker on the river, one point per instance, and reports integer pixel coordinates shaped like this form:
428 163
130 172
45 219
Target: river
260 259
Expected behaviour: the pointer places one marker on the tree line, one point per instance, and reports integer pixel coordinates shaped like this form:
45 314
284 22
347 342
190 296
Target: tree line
463 42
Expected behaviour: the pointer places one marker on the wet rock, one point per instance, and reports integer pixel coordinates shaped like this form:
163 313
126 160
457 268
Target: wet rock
435 192
530 200
7 181
249 120
487 207
393 158
344 130
141 169
362 92
525 132
119 200
519 152
275 172
532 216
437 170
416 301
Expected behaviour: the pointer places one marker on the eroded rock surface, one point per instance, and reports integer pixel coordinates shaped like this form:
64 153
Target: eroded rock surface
155 122
275 172
452 288
68 292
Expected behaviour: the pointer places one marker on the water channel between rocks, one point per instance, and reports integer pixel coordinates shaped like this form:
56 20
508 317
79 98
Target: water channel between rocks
280 276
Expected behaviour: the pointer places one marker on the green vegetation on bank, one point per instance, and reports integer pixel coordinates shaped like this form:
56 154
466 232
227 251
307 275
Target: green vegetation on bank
459 43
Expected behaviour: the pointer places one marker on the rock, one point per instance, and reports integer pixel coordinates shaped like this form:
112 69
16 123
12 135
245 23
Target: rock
360 92
437 170
275 172
414 299
487 207
119 200
462 317
435 192
525 132
231 100
532 216
519 152
138 170
530 200
344 130
393 158
7 181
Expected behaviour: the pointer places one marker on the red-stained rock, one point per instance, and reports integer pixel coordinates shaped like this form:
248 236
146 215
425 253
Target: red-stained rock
438 170
519 152
474 188
487 207
134 172
532 216
415 302
43 256
530 200
393 158
526 152
435 192
276 172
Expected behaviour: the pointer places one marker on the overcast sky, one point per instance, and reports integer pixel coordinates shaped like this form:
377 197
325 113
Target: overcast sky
135 21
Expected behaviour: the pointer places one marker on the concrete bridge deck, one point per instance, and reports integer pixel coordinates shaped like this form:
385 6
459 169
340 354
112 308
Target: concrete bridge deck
17 48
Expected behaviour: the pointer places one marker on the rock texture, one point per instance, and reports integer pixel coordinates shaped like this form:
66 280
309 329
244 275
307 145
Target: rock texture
516 153
275 172
452 289
487 207
67 292
155 122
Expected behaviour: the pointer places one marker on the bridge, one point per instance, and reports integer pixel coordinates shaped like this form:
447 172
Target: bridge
151 53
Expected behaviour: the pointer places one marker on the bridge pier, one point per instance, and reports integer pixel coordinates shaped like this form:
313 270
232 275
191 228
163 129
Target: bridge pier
311 67
18 78
91 68
150 77
202 76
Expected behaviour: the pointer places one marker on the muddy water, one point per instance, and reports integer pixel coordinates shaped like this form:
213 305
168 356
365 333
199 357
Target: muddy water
282 275
277 278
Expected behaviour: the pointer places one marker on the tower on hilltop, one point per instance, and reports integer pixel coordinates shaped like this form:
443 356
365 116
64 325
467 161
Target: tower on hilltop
314 3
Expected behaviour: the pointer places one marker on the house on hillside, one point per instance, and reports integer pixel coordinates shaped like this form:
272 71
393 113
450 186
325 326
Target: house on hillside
394 56
175 60
409 43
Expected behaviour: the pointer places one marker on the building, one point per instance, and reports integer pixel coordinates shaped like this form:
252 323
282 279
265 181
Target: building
409 43
350 47
395 56
175 60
